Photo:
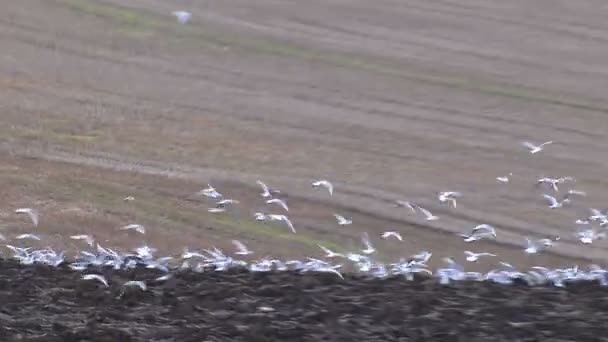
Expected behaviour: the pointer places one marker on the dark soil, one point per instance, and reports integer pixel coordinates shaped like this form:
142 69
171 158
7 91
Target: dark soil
41 303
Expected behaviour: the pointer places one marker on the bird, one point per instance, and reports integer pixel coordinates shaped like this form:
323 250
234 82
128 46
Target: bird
589 235
406 204
136 227
572 192
531 247
279 202
260 216
479 232
129 198
427 214
369 249
324 183
343 221
216 210
535 148
267 191
241 248
449 196
554 203
386 235
210 192
136 283
87 238
472 257
282 218
226 202
182 16
27 236
504 179
32 213
329 253
97 277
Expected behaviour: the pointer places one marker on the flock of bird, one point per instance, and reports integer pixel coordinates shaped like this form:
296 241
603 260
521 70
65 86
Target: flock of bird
362 261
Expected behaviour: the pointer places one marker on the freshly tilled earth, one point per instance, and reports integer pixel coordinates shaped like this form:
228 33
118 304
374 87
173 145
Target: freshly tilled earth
42 303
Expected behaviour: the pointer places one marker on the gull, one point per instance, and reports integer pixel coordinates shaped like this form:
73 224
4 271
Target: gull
164 278
210 192
548 242
267 191
97 277
553 203
182 16
279 202
504 179
283 218
32 213
329 253
136 227
324 183
406 204
573 192
27 236
422 257
226 201
386 235
129 198
343 220
531 247
260 216
472 257
580 221
449 196
369 249
589 235
2 237
479 232
428 215
216 210
554 181
241 248
87 238
536 148
139 284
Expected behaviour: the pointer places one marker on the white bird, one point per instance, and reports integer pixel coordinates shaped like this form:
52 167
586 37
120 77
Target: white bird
226 201
472 257
136 283
136 227
369 249
427 214
267 191
182 16
449 196
241 248
279 202
406 204
97 277
210 192
129 198
589 235
504 179
422 257
553 203
32 213
260 216
282 218
329 253
546 242
531 247
479 232
535 148
216 210
324 183
343 220
386 235
27 236
87 238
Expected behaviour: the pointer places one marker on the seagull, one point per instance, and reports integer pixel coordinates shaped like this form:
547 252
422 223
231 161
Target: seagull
472 257
422 257
136 227
129 198
479 232
210 192
573 192
342 220
227 201
449 196
553 203
324 183
428 215
504 179
329 253
386 235
405 204
216 210
267 191
279 202
241 248
369 249
32 213
260 216
531 247
182 16
535 148
139 284
589 235
27 236
548 242
97 277
283 218
88 238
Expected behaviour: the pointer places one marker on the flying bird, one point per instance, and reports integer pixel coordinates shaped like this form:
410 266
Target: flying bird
531 247
241 248
136 227
472 257
427 214
32 213
266 190
406 204
535 148
554 203
449 196
396 235
96 277
504 179
260 216
343 221
278 201
210 192
282 218
182 16
329 253
87 238
27 236
216 210
129 198
324 183
369 249
135 283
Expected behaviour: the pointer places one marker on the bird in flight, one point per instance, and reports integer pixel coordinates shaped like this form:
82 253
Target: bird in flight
96 277
241 248
369 249
266 190
324 183
396 235
533 148
32 213
210 192
343 221
406 204
472 257
136 227
282 218
182 16
278 201
329 253
27 236
427 214
87 238
449 197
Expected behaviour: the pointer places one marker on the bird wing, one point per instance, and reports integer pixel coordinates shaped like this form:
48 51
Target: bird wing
239 246
529 145
550 199
425 212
